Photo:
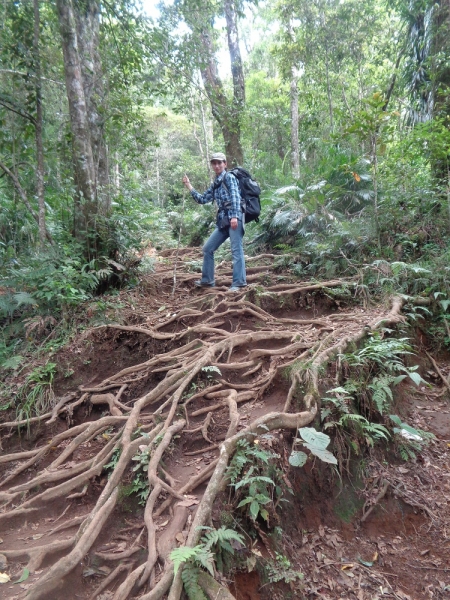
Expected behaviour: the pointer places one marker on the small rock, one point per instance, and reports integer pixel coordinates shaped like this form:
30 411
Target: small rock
3 562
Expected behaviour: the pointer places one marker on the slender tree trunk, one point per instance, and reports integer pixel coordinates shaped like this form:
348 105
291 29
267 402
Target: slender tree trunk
203 151
24 197
374 152
205 137
295 149
39 127
228 114
237 72
330 100
85 203
87 15
116 173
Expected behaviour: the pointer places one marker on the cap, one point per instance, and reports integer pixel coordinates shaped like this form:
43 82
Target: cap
218 156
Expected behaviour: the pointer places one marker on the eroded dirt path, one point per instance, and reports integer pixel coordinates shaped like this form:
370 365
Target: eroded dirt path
178 379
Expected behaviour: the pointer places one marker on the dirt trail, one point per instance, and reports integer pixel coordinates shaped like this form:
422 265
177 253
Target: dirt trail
180 382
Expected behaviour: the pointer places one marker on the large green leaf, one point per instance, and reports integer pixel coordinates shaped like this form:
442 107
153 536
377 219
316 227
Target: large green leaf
323 454
314 438
297 459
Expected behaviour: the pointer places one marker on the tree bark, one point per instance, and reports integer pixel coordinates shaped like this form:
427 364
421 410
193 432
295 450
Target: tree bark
227 112
87 15
24 198
237 72
40 192
221 110
295 153
84 172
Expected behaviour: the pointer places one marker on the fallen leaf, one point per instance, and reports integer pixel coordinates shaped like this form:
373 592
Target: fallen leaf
4 578
257 552
180 538
37 536
24 576
347 566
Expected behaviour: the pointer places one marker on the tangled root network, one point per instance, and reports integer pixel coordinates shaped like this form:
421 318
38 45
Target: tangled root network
217 358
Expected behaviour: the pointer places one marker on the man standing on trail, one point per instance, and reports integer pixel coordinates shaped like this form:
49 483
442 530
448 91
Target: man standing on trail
230 222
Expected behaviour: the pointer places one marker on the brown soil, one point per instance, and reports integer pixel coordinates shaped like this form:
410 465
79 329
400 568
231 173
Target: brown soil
190 370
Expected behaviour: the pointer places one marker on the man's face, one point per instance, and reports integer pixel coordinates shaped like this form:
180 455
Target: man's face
218 166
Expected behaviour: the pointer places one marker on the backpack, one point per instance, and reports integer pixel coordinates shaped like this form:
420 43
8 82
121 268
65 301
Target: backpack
250 192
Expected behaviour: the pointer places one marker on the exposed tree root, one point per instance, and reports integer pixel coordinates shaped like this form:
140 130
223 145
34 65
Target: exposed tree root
250 347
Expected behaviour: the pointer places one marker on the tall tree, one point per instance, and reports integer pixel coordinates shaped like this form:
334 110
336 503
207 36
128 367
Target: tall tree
84 171
87 15
39 124
202 48
427 69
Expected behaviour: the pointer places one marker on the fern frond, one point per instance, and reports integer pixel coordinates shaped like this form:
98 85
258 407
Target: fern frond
182 554
189 577
222 537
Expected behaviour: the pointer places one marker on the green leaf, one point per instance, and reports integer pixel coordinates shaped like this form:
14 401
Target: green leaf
254 509
245 501
297 459
314 438
180 555
396 419
24 576
264 514
444 303
13 362
324 455
416 378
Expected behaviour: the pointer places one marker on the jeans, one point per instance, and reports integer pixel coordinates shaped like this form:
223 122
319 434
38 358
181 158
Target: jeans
216 239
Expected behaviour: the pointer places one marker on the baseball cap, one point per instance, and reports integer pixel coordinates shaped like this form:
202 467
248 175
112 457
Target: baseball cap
218 156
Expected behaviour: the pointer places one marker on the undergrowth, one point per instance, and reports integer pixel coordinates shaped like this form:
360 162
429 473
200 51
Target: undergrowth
356 412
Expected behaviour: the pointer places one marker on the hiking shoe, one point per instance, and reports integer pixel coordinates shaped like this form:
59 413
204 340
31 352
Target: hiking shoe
235 288
200 283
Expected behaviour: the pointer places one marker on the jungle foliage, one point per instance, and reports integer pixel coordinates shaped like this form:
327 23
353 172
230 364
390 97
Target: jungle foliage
370 197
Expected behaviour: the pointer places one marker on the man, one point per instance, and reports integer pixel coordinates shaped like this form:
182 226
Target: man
230 222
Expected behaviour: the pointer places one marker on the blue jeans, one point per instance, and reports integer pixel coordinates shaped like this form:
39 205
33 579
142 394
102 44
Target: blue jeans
216 239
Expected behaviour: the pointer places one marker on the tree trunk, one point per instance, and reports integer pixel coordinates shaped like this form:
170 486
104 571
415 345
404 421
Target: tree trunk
84 172
228 113
39 127
220 106
295 153
237 72
441 82
87 15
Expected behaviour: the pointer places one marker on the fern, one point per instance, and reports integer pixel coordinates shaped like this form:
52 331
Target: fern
370 431
202 557
199 554
221 537
189 577
246 453
381 391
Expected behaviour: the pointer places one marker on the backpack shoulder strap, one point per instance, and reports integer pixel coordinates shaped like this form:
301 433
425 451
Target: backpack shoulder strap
224 180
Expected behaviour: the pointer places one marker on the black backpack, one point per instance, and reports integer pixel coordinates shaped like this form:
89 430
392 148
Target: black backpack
250 192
